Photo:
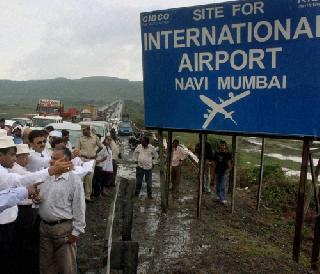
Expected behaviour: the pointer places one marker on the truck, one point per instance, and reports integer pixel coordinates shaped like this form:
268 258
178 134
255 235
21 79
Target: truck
50 107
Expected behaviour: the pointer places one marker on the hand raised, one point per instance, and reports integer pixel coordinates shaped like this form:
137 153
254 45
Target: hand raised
60 166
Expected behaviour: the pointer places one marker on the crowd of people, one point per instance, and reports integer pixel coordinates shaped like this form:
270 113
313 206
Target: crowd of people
217 166
45 183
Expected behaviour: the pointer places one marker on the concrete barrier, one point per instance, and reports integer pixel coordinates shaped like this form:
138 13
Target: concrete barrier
119 251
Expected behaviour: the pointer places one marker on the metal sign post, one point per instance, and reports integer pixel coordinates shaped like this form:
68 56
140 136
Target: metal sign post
162 172
202 144
168 170
234 170
300 201
260 175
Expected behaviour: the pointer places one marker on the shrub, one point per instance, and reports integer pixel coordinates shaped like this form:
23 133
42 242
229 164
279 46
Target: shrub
277 187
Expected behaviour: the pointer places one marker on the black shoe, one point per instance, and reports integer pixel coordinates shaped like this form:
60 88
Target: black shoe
150 195
136 194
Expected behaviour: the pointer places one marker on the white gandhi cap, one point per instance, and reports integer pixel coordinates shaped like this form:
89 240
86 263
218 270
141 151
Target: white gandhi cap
55 133
22 149
6 141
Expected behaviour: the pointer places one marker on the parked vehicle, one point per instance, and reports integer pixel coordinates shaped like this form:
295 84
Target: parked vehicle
25 122
124 128
43 121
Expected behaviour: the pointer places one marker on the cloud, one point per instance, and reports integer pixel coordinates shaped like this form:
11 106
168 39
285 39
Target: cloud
76 38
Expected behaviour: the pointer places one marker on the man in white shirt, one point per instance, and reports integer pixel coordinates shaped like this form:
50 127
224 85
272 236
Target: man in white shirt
38 158
145 156
8 236
12 196
62 212
178 155
27 220
115 147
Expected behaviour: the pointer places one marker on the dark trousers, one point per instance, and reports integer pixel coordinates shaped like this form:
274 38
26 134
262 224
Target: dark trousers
140 173
106 177
28 239
97 181
175 178
9 248
115 170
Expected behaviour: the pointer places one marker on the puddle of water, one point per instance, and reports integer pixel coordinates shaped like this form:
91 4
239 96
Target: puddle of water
290 172
250 150
289 147
296 159
254 141
152 224
282 157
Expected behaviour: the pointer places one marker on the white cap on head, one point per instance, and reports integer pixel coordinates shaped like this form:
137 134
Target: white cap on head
22 149
6 141
17 127
9 123
55 133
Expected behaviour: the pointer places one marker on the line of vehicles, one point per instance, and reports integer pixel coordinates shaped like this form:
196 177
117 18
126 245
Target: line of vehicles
47 111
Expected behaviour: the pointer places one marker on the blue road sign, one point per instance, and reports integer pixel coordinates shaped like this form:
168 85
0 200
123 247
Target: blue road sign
241 67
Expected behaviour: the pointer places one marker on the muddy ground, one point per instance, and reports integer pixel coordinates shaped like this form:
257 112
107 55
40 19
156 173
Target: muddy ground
218 242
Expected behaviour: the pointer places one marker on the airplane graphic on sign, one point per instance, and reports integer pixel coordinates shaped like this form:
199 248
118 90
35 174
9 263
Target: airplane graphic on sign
220 108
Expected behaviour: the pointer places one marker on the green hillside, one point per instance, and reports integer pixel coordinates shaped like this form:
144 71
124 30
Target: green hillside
21 96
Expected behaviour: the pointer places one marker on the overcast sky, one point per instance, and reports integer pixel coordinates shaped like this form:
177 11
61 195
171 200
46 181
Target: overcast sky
43 39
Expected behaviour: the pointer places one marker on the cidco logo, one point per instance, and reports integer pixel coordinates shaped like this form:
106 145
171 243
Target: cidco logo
155 18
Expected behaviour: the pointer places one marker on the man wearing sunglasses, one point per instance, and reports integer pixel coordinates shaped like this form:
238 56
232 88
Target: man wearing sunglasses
38 159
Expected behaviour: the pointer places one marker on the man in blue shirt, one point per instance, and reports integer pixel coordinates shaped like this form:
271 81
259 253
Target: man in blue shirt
17 135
